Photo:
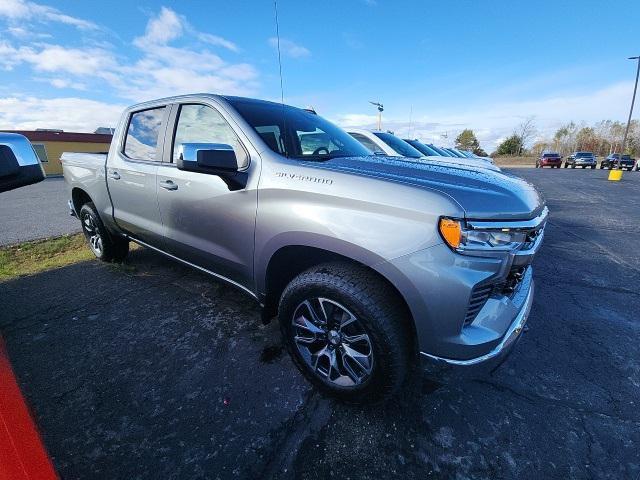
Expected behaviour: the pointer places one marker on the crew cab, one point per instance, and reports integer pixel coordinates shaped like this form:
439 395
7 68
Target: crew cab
549 159
581 159
370 263
614 161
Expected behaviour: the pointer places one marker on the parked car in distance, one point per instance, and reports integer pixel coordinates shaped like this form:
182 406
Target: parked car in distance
371 264
614 161
423 148
581 159
429 151
549 159
384 143
19 164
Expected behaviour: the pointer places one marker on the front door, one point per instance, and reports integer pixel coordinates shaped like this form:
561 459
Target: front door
204 222
132 176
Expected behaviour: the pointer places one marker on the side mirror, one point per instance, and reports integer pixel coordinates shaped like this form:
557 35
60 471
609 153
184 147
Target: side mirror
19 164
212 159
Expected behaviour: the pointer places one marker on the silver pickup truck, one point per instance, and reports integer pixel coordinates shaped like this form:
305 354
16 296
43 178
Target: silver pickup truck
370 263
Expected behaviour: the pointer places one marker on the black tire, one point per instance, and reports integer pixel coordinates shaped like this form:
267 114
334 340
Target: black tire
106 247
593 167
573 165
566 164
336 289
601 166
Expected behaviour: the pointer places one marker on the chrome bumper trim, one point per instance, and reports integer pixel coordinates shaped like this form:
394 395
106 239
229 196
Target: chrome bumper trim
509 338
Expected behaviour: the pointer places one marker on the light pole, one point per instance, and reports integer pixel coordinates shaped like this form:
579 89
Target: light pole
380 110
633 99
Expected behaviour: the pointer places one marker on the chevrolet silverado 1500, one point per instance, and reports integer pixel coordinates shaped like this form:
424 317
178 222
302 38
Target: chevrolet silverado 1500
369 262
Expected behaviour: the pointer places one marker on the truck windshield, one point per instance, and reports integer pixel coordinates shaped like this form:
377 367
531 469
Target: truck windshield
296 133
399 145
422 148
441 152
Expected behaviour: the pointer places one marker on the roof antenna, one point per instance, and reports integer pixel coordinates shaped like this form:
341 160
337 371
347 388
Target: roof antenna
284 124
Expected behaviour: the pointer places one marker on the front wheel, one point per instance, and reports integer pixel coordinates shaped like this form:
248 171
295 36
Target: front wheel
566 164
347 332
103 245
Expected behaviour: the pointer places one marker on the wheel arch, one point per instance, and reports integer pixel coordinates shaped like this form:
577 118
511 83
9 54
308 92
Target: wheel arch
79 197
290 260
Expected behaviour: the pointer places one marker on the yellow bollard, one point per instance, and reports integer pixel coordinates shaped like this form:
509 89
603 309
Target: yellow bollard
615 175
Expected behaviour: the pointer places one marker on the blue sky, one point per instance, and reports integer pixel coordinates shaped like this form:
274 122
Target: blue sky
438 67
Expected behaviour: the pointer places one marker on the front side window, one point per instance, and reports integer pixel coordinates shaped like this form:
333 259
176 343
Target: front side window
141 142
367 142
203 124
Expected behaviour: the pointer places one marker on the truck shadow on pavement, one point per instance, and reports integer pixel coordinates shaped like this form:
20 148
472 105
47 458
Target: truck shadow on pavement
153 370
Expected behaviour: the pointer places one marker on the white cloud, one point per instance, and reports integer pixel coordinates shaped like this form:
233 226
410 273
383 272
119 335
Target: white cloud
21 10
167 26
494 122
71 114
290 48
63 83
217 41
163 69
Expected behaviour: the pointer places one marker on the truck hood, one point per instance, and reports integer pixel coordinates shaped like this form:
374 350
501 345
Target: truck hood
482 193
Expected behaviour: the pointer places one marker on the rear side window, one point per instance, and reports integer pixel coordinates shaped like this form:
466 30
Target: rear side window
141 142
367 142
203 124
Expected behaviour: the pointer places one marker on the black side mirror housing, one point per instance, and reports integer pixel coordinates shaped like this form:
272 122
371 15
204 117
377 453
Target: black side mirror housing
19 164
212 159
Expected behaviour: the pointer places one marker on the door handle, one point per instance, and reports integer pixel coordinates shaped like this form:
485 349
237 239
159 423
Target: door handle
168 185
114 175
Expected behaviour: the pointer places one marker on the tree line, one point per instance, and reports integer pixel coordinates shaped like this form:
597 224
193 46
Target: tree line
602 138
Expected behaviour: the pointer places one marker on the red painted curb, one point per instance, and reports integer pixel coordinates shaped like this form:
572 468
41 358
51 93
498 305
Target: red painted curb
22 454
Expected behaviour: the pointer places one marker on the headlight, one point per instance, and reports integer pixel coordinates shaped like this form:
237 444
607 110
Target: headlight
467 240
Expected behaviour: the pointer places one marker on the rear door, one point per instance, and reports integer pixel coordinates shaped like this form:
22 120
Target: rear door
132 175
206 223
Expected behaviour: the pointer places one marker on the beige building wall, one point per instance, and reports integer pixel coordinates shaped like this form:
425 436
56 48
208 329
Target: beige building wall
54 151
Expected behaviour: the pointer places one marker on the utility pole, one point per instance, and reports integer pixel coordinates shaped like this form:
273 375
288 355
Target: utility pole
633 100
380 110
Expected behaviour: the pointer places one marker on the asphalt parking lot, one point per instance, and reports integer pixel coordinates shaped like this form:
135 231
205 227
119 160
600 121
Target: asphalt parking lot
152 370
36 211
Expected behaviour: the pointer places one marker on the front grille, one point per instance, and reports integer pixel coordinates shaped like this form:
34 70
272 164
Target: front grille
479 297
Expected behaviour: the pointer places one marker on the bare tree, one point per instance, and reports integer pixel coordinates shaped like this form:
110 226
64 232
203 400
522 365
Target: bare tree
526 130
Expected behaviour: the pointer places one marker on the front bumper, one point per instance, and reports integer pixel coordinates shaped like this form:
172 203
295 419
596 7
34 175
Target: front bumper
498 353
468 310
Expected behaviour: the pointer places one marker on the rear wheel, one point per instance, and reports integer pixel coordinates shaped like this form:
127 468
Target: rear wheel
104 246
346 332
592 167
566 164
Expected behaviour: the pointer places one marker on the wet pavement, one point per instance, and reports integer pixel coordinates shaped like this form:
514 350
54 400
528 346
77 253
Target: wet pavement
152 370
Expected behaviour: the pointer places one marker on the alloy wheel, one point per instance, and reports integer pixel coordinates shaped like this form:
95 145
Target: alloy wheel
333 342
92 233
